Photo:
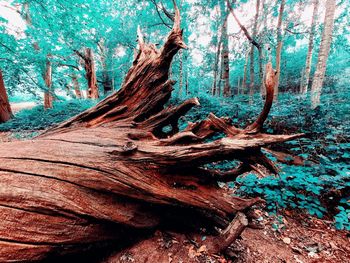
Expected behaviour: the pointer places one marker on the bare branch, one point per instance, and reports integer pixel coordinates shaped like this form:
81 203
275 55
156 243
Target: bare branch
269 84
243 28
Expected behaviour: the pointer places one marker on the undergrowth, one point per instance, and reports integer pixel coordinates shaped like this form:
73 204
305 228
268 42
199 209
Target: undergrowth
322 185
39 118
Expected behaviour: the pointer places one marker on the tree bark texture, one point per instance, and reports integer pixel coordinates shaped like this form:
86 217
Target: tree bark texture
89 65
225 53
305 79
218 38
76 86
48 98
5 108
279 47
323 53
113 172
252 60
245 71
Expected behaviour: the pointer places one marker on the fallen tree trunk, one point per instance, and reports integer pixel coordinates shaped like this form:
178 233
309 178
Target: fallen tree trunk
113 170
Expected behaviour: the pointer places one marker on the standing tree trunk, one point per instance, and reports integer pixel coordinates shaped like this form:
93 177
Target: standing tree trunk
261 72
239 86
106 57
217 59
304 83
225 57
181 55
112 172
76 86
48 98
252 49
279 47
92 91
245 70
251 39
187 90
5 108
45 67
325 46
216 68
262 50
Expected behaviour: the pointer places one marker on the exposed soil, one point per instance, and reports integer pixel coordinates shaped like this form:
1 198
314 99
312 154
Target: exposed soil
298 239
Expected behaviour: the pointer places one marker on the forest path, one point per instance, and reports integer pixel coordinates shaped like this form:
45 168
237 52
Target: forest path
18 106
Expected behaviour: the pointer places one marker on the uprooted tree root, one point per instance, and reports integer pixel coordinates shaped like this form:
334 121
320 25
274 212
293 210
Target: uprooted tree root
113 170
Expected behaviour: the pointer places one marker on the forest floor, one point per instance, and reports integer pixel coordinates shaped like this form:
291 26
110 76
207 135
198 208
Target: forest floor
300 239
16 107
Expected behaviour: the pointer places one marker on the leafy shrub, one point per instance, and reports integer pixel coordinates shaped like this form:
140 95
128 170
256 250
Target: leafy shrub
318 187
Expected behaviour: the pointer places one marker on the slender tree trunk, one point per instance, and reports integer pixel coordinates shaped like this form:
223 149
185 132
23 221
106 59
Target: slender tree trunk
216 65
261 73
45 67
225 59
262 51
181 73
279 47
238 85
225 74
304 83
76 86
48 82
89 65
5 108
252 49
325 46
244 82
187 91
106 56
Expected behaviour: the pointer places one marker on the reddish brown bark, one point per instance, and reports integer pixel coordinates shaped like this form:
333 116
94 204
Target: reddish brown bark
90 72
48 98
89 66
5 108
112 171
76 86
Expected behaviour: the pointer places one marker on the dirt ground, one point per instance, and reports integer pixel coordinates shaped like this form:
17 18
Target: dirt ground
298 239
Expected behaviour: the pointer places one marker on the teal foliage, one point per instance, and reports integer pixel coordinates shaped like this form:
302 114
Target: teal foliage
38 118
342 219
60 28
325 148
